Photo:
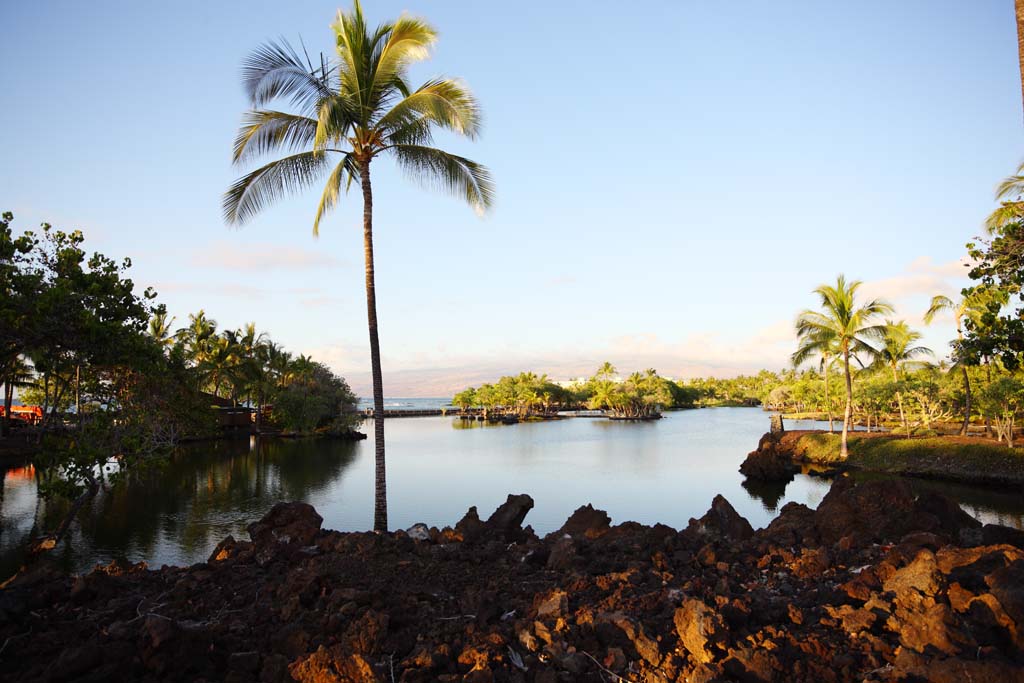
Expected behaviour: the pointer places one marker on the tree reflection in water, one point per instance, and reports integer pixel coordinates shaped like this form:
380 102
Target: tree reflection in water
205 492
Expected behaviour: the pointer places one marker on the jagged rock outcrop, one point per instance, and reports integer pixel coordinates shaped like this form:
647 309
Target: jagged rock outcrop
874 585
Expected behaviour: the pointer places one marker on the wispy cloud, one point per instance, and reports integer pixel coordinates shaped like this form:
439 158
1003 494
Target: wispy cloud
259 257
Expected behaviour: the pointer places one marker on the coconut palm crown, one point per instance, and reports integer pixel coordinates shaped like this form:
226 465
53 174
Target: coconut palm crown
1010 195
344 113
822 343
850 326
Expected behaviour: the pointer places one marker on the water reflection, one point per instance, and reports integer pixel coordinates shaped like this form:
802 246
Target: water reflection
177 513
665 471
768 492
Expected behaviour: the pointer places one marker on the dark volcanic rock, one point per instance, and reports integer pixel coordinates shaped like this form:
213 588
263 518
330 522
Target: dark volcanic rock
507 520
875 510
586 522
721 521
768 462
808 599
288 523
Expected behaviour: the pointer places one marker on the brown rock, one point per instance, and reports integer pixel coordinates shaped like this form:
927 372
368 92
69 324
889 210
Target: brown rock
698 627
910 665
470 528
562 555
223 550
506 522
159 630
586 522
812 563
854 620
721 521
554 604
919 578
365 634
874 510
768 463
793 526
287 523
332 666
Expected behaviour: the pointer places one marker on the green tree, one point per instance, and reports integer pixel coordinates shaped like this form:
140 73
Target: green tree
1002 400
895 352
849 325
465 399
352 109
972 306
823 343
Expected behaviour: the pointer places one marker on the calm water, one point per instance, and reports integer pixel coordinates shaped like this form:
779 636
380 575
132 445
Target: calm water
666 471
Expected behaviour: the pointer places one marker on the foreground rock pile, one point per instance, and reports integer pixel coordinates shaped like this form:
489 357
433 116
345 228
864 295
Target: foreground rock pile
875 585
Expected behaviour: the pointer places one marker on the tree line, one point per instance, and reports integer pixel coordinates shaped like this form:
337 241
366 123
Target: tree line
118 386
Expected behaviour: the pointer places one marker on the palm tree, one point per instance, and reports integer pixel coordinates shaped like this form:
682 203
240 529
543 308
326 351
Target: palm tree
849 325
972 307
823 344
1019 7
895 352
353 108
198 335
221 363
160 329
1010 195
17 373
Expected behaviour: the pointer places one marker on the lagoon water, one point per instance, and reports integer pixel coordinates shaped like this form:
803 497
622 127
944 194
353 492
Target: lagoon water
664 471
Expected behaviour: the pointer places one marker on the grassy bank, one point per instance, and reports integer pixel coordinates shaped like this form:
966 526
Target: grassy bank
945 457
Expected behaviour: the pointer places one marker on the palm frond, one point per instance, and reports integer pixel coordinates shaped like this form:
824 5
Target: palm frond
1008 212
345 170
1012 186
399 45
353 47
266 131
456 175
335 118
446 103
274 70
254 191
938 304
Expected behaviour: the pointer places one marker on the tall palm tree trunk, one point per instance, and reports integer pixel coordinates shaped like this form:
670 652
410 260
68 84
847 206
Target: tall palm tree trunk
828 404
380 498
899 402
5 426
967 402
848 413
1019 6
959 331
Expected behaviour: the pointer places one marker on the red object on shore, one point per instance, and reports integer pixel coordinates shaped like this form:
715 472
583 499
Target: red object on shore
30 414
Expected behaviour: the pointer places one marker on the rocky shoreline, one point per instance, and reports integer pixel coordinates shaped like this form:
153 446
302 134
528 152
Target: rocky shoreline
780 455
874 585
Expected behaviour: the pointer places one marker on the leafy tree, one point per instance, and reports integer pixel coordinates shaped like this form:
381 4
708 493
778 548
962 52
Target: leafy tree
895 352
1002 400
18 295
973 306
352 109
823 343
849 325
316 398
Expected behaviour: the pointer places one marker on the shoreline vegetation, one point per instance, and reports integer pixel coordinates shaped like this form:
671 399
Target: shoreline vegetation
954 458
116 387
876 584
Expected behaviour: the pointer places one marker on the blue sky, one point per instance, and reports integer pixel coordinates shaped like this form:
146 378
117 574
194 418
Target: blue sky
673 177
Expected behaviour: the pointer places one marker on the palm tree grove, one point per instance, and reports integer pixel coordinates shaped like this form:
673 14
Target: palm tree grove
631 436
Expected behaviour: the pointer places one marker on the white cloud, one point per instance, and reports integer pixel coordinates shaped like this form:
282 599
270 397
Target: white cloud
259 257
